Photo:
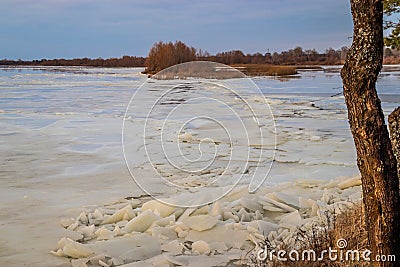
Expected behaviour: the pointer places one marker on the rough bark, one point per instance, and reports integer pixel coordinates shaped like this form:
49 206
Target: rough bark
394 128
375 159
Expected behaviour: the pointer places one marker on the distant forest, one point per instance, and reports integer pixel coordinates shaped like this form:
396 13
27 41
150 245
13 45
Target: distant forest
295 56
125 61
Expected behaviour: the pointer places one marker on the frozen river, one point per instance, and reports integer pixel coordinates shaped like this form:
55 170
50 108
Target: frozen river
60 145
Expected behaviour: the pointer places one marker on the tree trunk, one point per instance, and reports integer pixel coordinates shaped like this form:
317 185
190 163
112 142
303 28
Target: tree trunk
375 158
394 128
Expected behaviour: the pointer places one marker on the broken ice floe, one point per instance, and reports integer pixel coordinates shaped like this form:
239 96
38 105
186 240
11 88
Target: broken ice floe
134 232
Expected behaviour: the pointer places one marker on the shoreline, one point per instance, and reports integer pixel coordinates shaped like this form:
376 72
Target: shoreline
251 70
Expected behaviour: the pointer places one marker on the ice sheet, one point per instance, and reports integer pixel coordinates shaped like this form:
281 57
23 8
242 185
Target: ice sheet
60 145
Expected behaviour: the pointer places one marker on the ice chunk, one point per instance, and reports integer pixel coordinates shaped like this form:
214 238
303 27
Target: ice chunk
250 204
87 231
117 231
142 222
73 226
186 137
229 215
202 210
129 249
292 218
201 247
83 218
104 234
79 263
202 260
355 181
216 209
314 209
165 221
267 201
67 222
97 214
159 208
74 249
162 233
176 262
220 247
182 234
219 234
244 216
96 259
58 253
258 215
306 203
265 227
200 222
119 215
285 198
173 247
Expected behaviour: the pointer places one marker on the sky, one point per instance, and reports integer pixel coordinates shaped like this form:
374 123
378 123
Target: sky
36 29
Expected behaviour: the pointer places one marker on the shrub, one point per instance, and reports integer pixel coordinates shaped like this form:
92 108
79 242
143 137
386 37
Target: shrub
163 55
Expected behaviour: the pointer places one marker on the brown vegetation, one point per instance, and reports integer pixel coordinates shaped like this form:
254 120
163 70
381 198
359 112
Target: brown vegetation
164 55
391 56
265 69
296 56
348 225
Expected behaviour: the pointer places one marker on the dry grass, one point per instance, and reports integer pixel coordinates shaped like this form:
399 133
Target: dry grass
391 60
198 70
265 69
348 225
213 71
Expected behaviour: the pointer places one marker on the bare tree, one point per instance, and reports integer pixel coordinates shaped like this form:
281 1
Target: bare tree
375 158
163 55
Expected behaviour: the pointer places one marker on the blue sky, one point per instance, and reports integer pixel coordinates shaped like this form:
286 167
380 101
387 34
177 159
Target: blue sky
35 29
